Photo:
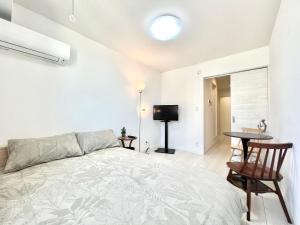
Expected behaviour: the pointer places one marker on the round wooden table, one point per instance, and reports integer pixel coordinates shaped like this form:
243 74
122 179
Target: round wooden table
246 137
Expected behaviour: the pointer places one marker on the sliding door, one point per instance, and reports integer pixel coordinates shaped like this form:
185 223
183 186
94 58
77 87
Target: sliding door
249 98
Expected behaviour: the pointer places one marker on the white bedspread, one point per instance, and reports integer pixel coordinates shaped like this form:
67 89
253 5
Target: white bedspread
117 187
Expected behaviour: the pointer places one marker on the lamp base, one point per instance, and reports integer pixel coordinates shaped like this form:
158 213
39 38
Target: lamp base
163 150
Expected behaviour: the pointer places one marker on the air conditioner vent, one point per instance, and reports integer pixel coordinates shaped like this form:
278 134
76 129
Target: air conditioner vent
20 39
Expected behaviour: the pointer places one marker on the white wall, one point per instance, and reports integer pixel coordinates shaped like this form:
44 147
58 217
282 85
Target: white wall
185 87
97 90
285 95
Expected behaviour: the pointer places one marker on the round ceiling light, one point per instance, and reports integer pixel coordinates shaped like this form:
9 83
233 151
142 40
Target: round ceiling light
166 27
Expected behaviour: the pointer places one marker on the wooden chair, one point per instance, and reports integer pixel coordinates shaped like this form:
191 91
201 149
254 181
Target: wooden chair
250 174
237 150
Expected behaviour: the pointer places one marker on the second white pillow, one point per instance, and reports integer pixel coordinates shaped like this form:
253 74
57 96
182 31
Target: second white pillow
93 141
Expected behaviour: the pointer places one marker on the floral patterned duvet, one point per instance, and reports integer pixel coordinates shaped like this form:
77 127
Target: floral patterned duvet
117 187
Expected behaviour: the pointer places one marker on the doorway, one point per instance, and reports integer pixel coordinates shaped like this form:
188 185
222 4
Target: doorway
217 110
232 102
225 116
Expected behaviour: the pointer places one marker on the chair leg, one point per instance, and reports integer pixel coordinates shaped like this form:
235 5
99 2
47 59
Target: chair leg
231 156
248 198
278 192
229 174
256 187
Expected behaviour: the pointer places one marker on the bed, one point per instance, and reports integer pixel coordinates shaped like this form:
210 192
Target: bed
117 186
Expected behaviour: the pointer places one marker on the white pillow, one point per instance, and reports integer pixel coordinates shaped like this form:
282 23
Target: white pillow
24 153
93 141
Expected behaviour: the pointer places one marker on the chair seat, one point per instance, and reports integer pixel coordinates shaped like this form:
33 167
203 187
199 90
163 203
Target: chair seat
237 167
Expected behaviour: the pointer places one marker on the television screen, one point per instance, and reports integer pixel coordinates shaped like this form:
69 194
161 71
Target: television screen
165 112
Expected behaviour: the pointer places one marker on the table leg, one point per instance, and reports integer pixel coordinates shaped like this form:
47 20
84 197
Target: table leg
245 147
123 144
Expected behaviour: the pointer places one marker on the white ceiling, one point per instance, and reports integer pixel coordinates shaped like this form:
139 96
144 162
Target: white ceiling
212 28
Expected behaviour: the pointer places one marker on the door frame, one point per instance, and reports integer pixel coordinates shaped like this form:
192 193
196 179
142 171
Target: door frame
229 74
205 115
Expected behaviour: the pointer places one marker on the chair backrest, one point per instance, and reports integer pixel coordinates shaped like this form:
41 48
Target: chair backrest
251 130
268 161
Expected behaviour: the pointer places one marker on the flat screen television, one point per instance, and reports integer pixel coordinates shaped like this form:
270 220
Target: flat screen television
165 112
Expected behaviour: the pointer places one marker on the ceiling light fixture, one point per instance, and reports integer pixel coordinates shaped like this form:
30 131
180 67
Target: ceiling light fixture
72 17
166 27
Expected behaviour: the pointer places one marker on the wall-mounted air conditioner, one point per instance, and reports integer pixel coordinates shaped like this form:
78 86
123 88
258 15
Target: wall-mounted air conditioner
20 39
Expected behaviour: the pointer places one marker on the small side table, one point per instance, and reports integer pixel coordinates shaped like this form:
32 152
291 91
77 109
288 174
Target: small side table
127 138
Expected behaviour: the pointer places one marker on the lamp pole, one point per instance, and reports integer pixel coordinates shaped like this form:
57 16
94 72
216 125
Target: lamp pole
140 117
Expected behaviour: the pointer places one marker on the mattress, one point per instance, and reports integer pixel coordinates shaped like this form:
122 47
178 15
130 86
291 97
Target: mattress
117 187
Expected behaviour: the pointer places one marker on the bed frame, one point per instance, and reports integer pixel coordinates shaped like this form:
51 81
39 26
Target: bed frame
3 156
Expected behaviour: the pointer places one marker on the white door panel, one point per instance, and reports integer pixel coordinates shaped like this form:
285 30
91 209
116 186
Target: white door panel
249 98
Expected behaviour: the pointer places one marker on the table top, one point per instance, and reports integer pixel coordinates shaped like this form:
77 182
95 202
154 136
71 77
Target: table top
248 135
126 138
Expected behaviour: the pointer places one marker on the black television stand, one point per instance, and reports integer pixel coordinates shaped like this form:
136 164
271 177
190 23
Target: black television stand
166 148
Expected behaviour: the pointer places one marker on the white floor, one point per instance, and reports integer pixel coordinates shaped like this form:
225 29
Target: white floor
266 208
